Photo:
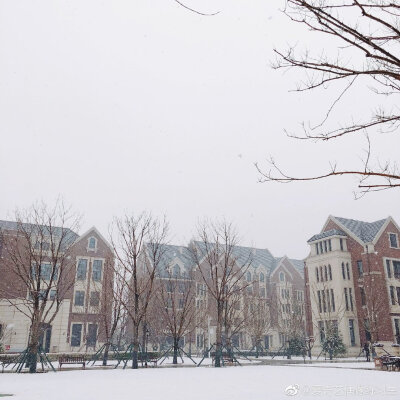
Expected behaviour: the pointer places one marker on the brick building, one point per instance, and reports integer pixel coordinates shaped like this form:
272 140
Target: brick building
352 279
84 311
275 282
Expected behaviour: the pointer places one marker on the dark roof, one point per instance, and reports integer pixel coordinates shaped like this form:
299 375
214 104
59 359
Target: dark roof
365 231
246 256
331 232
257 257
58 231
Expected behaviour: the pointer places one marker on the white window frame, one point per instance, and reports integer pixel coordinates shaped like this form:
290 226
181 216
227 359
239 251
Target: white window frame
95 244
87 269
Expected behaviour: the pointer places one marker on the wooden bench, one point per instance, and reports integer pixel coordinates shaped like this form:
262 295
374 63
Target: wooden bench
149 359
71 360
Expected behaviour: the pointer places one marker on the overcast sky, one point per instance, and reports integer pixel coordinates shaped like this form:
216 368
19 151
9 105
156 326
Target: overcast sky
142 105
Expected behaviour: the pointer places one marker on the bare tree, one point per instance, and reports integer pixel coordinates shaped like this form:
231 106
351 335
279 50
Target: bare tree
234 316
368 35
175 298
139 245
36 259
291 318
259 321
121 331
373 292
221 268
202 317
111 306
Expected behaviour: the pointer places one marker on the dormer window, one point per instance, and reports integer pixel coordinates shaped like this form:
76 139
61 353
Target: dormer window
261 277
92 243
393 240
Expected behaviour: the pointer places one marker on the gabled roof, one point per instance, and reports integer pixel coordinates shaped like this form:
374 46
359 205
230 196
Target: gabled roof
298 265
94 229
246 256
330 233
174 254
69 235
256 257
365 232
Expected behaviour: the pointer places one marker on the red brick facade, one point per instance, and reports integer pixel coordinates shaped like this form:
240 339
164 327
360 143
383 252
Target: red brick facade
373 254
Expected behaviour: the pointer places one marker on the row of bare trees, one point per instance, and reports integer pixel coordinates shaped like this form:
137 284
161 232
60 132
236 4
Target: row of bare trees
142 295
172 303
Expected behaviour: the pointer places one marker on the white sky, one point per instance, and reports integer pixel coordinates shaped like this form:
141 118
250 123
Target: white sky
136 104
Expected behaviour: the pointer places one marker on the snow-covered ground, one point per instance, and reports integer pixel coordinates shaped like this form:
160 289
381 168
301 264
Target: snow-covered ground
112 363
230 383
336 364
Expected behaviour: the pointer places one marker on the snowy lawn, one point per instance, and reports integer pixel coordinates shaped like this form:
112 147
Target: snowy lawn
112 363
351 365
230 383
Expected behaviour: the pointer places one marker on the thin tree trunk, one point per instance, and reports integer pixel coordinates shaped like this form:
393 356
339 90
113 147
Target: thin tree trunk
135 350
176 346
105 355
33 347
218 349
144 352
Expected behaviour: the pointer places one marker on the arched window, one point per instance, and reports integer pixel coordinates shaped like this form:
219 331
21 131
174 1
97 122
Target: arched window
348 271
330 272
326 273
248 276
176 271
317 273
343 271
92 242
321 276
282 277
262 278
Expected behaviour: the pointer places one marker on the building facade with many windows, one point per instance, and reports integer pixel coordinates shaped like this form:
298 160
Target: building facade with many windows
83 309
266 310
352 278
